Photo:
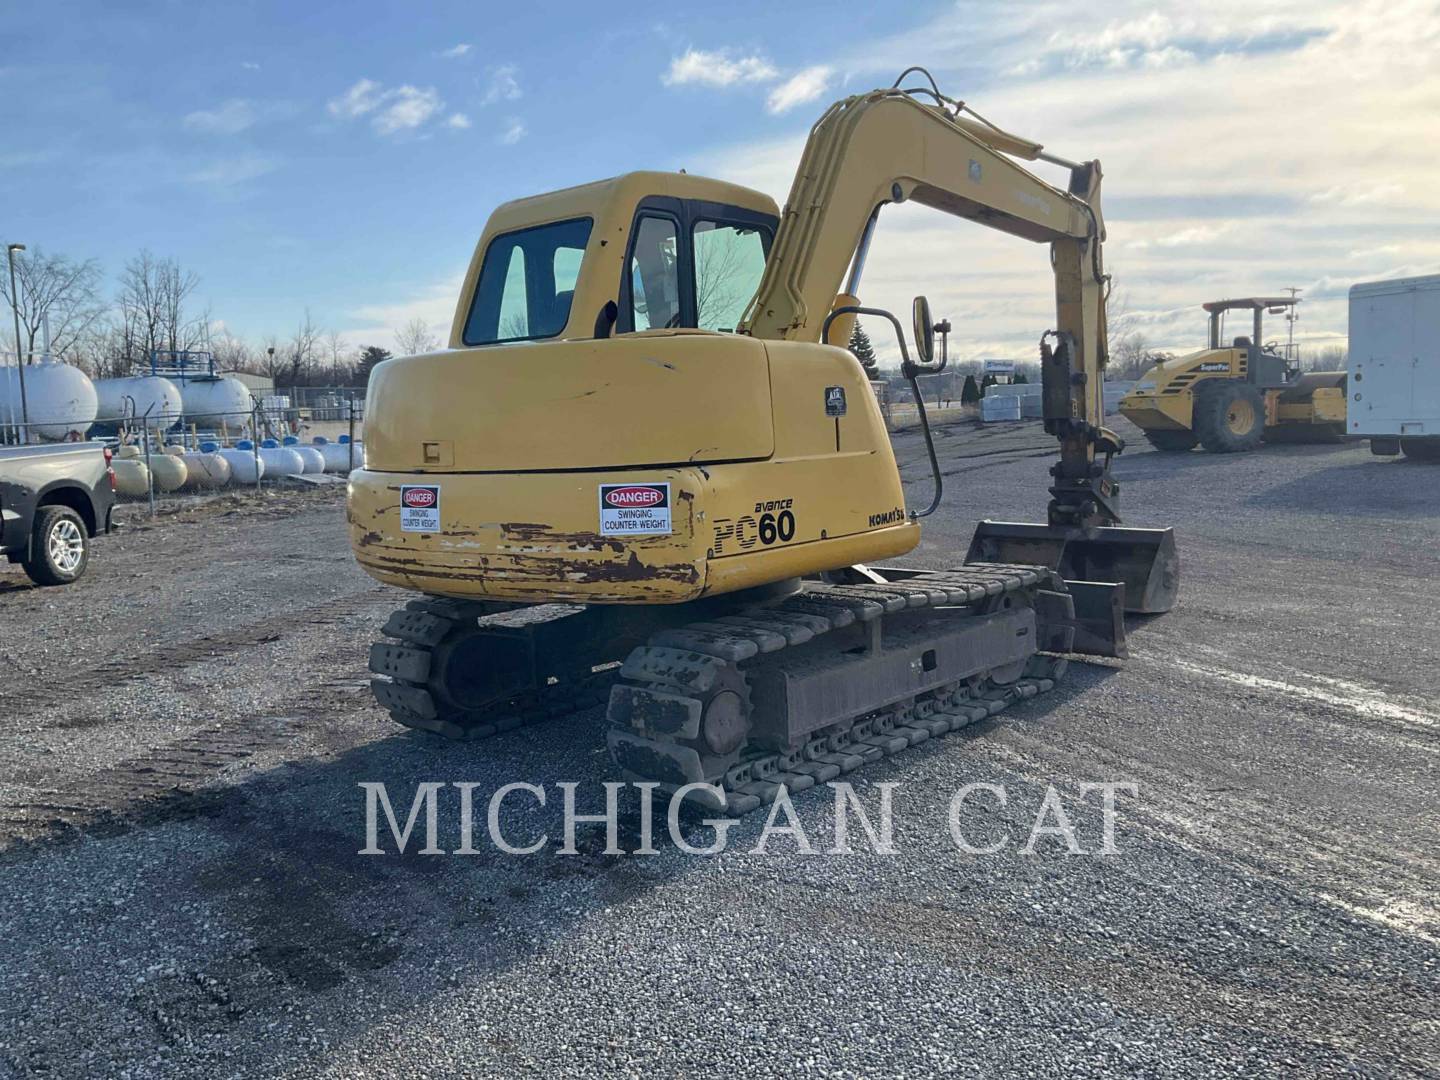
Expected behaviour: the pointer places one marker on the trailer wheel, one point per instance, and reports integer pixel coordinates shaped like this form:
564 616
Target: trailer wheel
1172 441
59 546
1229 416
1427 449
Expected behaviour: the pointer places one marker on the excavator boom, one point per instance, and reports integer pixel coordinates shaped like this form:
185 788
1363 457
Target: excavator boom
887 146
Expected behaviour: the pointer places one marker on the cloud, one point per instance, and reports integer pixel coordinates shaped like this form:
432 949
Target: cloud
360 99
432 304
250 65
402 108
1236 161
405 108
800 88
514 131
231 118
1359 194
229 172
456 51
457 120
503 85
717 69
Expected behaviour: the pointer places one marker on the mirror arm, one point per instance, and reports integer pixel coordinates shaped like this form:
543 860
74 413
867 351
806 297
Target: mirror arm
879 313
908 370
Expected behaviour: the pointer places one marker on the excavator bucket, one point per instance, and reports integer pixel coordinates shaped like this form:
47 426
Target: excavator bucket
1143 560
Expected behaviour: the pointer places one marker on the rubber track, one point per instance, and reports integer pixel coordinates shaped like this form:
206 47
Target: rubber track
663 664
410 702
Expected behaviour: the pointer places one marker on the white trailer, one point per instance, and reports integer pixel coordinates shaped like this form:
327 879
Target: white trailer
1394 372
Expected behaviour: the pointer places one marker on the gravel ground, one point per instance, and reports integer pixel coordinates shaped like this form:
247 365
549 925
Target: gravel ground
182 735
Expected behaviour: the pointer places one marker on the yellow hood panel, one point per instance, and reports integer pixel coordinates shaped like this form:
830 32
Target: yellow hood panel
637 400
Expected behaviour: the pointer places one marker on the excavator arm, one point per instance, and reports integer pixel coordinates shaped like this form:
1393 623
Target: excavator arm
887 146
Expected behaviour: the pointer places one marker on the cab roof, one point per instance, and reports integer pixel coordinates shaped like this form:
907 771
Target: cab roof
1251 303
625 190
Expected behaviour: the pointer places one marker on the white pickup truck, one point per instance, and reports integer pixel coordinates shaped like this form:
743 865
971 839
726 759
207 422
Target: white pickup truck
1394 373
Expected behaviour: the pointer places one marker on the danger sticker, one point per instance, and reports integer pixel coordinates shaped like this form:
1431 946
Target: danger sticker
420 508
634 509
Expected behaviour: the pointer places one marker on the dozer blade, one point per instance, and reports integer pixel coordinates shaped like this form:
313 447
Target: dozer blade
1143 560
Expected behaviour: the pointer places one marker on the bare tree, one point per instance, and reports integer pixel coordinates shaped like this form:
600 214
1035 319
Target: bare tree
300 351
271 358
97 350
1328 358
232 353
339 351
56 288
724 281
415 338
151 307
1129 348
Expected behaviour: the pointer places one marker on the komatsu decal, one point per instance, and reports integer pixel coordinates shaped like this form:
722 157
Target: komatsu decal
887 517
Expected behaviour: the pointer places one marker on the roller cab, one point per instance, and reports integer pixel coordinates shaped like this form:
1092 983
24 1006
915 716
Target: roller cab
1231 398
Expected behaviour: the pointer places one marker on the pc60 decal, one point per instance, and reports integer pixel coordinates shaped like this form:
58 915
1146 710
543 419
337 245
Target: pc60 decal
420 508
634 509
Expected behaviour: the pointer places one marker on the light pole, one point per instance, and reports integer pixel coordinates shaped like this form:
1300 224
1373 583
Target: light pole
10 251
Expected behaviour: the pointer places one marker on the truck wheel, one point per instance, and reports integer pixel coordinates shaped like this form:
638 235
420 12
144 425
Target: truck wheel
1172 441
1229 416
1421 449
59 546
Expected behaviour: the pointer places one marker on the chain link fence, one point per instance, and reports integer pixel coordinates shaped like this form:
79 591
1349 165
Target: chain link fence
197 458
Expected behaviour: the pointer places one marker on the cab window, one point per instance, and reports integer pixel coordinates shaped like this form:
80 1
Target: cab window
527 281
729 262
655 274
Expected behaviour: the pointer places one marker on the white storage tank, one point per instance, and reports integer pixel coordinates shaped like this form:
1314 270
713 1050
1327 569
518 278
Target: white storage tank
312 458
60 400
245 467
280 460
209 401
337 455
131 399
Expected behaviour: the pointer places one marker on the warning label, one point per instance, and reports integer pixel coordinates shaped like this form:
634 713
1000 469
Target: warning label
420 508
634 509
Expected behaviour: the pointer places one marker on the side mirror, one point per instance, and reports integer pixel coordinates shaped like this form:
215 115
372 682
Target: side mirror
924 332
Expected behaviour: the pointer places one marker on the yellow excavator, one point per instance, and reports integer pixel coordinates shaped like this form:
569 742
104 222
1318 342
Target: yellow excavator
1231 398
647 472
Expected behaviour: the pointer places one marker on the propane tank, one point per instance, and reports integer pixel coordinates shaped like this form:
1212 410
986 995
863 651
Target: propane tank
208 402
59 399
245 467
129 400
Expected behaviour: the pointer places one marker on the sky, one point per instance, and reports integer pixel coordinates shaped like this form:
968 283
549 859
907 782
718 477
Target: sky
344 157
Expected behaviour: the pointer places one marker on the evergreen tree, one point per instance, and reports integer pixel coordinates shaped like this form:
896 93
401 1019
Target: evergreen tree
1020 378
864 351
370 355
970 392
989 381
